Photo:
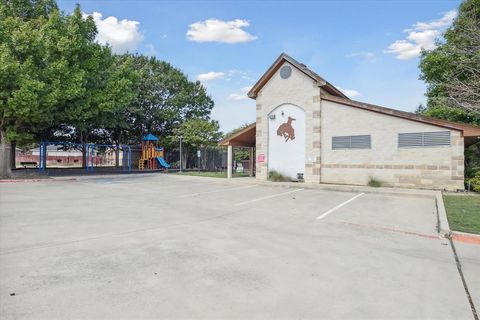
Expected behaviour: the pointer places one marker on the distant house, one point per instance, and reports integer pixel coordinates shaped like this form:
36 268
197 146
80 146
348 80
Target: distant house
57 155
305 127
58 151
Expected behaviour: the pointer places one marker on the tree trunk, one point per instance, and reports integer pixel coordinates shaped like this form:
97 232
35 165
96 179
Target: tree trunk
84 156
13 149
185 155
5 156
83 141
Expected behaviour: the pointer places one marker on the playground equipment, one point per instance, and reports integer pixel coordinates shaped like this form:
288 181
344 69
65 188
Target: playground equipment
152 156
91 153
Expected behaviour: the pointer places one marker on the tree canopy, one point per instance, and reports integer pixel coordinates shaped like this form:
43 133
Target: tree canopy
58 83
452 70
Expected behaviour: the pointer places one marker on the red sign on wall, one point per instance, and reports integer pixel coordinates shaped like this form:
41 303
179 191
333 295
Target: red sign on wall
261 157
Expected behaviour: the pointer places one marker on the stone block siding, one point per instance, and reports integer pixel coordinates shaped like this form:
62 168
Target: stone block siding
299 90
430 168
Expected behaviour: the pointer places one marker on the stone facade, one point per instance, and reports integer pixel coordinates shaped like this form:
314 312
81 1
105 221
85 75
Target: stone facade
425 167
299 90
432 168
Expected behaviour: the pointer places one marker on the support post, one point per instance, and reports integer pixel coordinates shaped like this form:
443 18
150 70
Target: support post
250 162
229 161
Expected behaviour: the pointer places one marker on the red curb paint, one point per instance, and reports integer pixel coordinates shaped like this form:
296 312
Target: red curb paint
36 180
466 238
390 229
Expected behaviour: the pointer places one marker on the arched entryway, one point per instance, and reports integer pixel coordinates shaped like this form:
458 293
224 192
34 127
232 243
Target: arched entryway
286 140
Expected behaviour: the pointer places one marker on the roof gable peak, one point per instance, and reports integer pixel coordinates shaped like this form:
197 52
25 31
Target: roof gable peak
321 82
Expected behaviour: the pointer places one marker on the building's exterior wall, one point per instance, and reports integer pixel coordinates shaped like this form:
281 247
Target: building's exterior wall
432 168
286 152
299 90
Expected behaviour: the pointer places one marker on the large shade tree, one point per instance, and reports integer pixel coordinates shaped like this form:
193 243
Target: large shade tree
107 84
55 80
452 72
165 98
197 134
34 77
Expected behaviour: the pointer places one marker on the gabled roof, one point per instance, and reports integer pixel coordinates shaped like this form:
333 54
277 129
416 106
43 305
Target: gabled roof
301 67
467 130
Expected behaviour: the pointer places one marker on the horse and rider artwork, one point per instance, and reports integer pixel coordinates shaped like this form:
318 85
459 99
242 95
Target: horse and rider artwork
286 130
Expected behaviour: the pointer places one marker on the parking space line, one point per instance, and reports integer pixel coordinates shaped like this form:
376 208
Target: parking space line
339 206
214 191
267 197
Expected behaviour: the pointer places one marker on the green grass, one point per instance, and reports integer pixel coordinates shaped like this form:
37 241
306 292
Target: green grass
212 174
277 177
372 182
463 212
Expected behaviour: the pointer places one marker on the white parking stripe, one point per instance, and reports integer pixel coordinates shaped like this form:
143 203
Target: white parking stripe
214 191
339 206
267 197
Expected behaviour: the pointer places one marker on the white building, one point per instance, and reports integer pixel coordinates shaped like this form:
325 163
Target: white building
307 127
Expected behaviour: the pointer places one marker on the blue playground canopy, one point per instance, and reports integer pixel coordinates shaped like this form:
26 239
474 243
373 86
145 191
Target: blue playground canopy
150 137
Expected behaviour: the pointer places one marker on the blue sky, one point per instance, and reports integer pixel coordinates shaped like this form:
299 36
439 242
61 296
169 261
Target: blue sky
367 48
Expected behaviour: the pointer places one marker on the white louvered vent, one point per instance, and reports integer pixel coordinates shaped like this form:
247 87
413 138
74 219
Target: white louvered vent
352 142
424 139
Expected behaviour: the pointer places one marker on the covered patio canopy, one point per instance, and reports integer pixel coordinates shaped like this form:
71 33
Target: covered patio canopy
243 138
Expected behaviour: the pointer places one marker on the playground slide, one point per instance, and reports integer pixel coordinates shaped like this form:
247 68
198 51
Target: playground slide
163 163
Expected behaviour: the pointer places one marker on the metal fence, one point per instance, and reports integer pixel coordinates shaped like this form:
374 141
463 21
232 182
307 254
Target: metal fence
203 159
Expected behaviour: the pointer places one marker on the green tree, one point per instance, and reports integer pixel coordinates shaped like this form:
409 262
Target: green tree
197 134
106 84
165 99
117 122
34 77
452 70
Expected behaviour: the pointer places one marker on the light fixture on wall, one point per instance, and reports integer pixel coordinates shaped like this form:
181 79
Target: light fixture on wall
272 117
282 113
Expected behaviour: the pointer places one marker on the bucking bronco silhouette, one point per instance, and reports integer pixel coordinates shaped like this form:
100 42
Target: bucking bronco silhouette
286 130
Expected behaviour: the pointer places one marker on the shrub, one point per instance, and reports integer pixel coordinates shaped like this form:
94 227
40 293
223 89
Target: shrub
475 182
372 182
277 177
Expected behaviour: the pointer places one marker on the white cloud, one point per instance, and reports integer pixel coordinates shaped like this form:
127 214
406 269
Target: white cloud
214 30
122 35
422 35
212 75
240 96
349 92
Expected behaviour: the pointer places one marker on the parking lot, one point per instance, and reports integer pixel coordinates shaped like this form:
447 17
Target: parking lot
177 247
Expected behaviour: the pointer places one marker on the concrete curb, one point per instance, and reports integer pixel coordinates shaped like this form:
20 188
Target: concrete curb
465 237
443 226
36 180
345 188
